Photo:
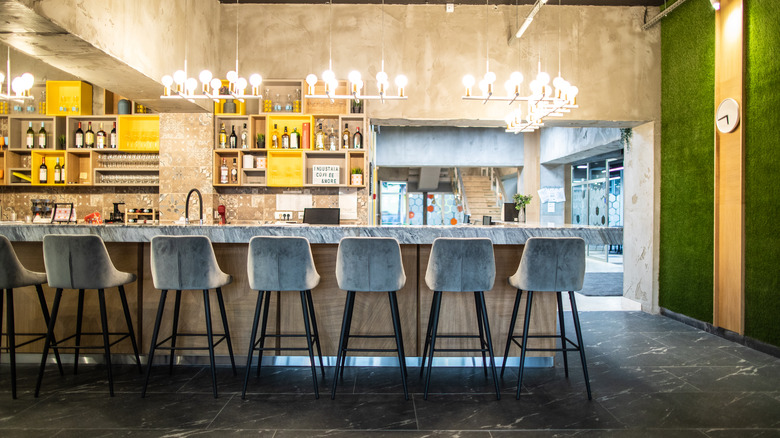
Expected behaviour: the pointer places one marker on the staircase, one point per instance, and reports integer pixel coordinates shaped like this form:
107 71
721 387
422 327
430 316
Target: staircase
479 195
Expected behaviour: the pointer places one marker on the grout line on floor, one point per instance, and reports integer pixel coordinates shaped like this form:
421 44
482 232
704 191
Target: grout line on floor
220 411
414 407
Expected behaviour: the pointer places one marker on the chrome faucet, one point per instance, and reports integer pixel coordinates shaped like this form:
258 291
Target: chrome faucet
187 207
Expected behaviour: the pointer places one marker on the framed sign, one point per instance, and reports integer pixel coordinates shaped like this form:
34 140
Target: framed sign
63 212
325 174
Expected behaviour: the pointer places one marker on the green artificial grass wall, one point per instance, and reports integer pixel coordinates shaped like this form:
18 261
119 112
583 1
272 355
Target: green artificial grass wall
687 160
761 110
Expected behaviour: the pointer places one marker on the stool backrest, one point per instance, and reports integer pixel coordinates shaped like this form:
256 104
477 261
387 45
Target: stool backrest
369 264
461 265
185 263
551 264
12 273
281 263
78 261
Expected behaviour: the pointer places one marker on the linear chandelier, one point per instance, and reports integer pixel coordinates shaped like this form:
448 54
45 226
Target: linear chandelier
356 83
20 85
211 87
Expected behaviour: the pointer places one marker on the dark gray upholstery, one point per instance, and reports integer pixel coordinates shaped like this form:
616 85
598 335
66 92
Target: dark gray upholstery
281 263
551 264
80 261
185 263
369 264
461 265
12 273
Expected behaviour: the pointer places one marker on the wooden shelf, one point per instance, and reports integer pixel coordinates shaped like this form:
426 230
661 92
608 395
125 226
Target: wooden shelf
68 98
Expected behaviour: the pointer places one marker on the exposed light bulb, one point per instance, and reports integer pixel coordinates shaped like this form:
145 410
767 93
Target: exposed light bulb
255 79
16 85
180 77
468 81
559 82
573 91
401 81
490 77
381 77
311 80
543 78
354 76
191 85
483 86
241 84
29 80
2 78
232 76
328 76
205 77
510 87
536 87
516 77
216 84
359 84
167 80
333 84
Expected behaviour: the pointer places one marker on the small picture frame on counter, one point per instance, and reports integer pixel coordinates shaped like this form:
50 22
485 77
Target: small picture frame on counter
63 213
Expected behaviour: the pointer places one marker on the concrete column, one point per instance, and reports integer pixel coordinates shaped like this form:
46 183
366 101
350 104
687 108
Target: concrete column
531 174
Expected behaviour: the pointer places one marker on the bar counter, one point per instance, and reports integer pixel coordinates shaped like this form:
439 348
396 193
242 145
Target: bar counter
129 248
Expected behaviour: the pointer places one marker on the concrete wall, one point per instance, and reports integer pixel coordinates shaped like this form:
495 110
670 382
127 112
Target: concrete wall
567 145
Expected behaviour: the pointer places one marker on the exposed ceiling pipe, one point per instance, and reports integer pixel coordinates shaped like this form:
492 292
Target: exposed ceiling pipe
662 14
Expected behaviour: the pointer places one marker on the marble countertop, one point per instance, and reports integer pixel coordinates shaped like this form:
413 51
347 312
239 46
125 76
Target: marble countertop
508 234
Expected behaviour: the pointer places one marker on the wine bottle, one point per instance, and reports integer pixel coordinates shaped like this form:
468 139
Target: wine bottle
275 138
101 138
43 174
79 142
319 139
285 139
222 137
42 138
345 137
30 136
112 138
234 172
357 139
295 139
333 143
244 135
223 173
89 137
233 140
58 172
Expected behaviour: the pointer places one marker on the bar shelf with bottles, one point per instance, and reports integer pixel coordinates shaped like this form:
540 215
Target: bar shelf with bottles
40 133
126 168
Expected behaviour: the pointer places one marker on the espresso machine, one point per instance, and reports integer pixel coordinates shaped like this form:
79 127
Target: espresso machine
116 216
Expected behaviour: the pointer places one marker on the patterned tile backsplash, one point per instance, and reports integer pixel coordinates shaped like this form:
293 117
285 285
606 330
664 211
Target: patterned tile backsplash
185 164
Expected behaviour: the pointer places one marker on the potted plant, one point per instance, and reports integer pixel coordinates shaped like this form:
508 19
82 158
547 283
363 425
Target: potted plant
357 176
260 141
521 201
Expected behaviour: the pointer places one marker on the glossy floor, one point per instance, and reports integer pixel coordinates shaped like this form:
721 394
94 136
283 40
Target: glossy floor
651 376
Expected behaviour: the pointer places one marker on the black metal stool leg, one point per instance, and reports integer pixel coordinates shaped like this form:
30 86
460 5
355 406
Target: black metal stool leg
349 329
210 335
9 293
304 308
263 330
222 312
509 335
563 334
252 337
316 332
49 336
45 310
130 330
580 343
481 331
79 317
155 333
340 350
106 341
2 297
434 329
399 340
526 324
427 336
489 343
174 329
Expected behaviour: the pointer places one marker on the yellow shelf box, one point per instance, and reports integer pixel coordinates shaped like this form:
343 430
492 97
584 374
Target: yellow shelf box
68 98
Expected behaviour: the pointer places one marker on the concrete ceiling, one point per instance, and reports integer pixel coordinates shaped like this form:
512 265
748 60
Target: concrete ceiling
461 2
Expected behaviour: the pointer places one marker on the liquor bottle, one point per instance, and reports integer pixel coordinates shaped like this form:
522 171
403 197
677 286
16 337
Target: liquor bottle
244 135
357 139
295 139
233 140
30 136
319 139
275 138
62 174
42 138
58 172
234 172
333 142
89 137
79 137
101 138
222 137
223 173
345 137
112 138
43 174
285 139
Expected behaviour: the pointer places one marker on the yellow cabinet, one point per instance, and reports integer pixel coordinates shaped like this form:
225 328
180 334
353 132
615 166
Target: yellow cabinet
68 98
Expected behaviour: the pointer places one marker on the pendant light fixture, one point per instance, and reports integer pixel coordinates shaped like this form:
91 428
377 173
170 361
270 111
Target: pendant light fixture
356 84
17 89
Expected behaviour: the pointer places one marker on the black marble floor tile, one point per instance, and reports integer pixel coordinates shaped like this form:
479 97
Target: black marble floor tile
537 411
272 380
743 433
28 433
608 433
381 434
301 411
162 433
730 379
444 380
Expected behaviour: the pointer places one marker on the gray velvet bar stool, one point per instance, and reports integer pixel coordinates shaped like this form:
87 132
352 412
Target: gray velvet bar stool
81 261
369 264
13 275
187 263
460 265
549 264
282 264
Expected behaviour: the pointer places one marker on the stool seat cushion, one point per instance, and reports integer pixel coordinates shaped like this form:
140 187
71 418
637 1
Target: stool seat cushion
12 273
80 261
461 265
281 263
551 264
185 263
369 264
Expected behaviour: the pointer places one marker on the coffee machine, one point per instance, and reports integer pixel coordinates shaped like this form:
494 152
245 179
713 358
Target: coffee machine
116 216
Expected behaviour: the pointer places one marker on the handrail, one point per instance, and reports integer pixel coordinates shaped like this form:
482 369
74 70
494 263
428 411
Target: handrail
459 190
